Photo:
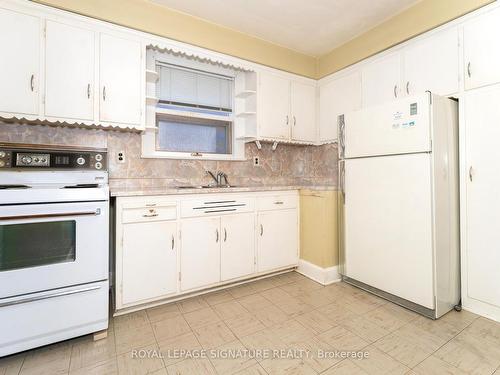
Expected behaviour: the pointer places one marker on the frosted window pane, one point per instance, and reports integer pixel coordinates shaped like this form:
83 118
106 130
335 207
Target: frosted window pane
183 86
163 85
209 91
192 137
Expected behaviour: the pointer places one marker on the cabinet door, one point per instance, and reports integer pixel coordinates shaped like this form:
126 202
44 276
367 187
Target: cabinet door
482 115
149 261
337 97
381 80
277 239
238 246
432 64
20 62
303 111
120 75
482 50
274 106
69 72
200 252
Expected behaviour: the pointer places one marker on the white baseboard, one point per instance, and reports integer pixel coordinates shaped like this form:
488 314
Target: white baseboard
323 276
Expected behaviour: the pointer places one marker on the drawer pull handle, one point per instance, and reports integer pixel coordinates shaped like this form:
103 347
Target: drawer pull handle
278 202
150 215
150 204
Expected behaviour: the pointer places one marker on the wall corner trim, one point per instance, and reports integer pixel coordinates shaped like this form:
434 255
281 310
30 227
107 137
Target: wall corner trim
324 276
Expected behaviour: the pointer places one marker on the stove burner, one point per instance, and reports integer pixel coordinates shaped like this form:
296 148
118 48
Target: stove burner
9 187
81 186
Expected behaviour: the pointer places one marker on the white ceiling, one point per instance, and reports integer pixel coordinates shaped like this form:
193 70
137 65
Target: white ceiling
313 27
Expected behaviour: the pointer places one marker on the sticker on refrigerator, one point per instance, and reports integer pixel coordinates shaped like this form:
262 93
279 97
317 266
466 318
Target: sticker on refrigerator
413 109
397 115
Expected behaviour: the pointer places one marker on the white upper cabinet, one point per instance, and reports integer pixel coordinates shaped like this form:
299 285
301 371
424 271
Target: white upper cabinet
342 95
287 108
482 50
121 74
69 71
274 106
432 64
19 63
303 112
382 80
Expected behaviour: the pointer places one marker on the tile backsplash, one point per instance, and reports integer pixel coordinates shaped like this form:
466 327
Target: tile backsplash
287 165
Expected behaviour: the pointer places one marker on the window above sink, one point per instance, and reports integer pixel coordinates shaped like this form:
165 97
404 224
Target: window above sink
192 109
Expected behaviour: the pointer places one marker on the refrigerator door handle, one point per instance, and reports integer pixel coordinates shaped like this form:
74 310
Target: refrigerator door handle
341 126
340 218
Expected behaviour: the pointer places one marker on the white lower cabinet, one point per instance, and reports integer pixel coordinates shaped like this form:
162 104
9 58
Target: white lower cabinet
149 261
170 246
277 239
238 246
200 252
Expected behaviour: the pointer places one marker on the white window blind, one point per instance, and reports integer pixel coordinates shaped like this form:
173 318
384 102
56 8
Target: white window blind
193 88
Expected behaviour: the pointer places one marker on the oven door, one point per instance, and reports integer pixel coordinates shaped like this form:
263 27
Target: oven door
49 246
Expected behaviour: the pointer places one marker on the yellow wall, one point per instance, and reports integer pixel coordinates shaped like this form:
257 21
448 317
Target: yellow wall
318 227
424 16
152 18
149 17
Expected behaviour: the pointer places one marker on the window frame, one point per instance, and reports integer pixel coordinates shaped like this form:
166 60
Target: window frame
149 137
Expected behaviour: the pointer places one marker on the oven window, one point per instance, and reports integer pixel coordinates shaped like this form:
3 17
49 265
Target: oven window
37 244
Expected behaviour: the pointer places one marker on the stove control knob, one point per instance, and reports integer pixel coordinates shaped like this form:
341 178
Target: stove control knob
26 160
98 165
98 157
2 154
2 163
36 160
80 161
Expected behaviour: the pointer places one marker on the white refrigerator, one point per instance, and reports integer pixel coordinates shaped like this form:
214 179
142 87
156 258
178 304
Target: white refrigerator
399 214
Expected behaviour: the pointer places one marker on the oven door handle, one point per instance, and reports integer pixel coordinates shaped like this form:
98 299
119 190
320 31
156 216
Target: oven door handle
54 295
43 216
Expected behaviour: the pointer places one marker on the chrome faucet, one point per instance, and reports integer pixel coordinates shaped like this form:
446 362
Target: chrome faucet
219 178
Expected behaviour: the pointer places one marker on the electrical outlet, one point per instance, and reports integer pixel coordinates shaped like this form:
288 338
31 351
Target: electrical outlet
120 157
256 161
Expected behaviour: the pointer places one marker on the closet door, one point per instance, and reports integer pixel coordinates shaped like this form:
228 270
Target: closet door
381 80
19 63
69 72
120 74
482 255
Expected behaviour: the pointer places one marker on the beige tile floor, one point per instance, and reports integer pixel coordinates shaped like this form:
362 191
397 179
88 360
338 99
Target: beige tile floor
289 313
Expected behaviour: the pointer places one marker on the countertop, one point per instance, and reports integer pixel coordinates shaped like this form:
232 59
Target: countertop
127 192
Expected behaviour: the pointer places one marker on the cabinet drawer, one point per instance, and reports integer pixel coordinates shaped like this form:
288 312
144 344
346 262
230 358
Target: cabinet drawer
151 212
216 206
276 202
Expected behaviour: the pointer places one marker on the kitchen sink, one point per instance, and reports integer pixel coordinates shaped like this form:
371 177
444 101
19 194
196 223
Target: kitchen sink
205 187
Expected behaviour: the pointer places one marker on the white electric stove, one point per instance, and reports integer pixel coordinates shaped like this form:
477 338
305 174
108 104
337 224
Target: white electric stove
54 244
